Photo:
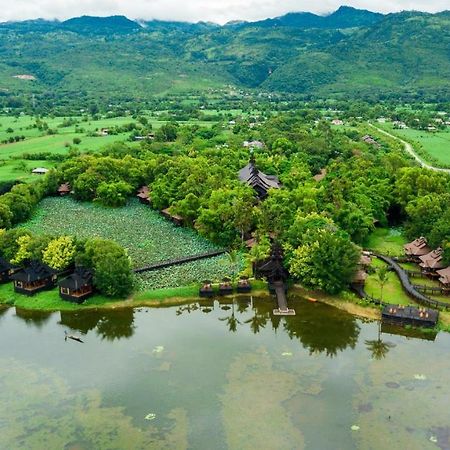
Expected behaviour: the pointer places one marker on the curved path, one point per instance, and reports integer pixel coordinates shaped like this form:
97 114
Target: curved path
408 287
409 149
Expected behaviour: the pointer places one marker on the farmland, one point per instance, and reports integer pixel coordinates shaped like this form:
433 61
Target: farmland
13 164
435 144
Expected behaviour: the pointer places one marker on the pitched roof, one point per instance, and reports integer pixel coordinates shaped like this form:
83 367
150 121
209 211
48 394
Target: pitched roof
5 265
418 247
65 187
444 275
81 277
257 179
35 271
432 260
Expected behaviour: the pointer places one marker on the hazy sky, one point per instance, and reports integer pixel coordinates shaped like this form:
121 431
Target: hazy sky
219 11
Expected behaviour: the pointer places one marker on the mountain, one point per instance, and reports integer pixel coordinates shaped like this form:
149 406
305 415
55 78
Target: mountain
344 17
101 25
350 52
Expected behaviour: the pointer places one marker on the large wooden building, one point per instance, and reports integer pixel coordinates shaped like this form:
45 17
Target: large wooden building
432 261
417 248
33 278
258 180
444 278
78 286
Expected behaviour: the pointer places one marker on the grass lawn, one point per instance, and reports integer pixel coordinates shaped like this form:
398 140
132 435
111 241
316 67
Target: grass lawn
48 300
388 241
392 291
436 144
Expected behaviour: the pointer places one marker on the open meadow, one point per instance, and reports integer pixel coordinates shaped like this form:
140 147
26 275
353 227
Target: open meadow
436 144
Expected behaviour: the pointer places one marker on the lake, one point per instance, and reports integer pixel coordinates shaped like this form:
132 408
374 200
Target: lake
220 376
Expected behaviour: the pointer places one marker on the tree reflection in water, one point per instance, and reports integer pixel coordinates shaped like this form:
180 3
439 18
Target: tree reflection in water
377 347
109 324
231 321
37 318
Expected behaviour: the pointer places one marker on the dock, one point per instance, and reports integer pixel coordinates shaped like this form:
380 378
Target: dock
280 292
410 315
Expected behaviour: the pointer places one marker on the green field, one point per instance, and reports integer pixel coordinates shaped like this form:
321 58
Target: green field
388 241
436 144
13 167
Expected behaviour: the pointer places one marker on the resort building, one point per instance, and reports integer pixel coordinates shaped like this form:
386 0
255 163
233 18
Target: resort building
6 270
33 278
417 248
444 278
64 189
432 261
77 287
258 180
143 195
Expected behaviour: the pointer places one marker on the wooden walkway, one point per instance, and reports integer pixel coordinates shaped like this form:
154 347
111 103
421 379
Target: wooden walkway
280 292
409 288
178 261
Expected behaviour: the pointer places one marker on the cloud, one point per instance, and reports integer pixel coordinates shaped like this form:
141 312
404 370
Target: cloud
219 11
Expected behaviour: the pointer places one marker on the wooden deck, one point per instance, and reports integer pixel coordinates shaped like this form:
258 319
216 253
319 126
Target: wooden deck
280 292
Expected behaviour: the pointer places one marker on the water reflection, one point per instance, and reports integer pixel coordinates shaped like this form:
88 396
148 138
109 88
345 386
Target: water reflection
110 325
36 318
377 347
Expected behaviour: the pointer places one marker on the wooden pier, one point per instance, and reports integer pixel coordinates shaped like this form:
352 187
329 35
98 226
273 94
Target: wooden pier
280 292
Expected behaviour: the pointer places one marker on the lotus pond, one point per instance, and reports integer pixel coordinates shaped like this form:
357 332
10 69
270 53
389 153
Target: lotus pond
220 376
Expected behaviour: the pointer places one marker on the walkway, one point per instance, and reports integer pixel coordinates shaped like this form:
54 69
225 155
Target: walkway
280 292
408 287
409 149
178 261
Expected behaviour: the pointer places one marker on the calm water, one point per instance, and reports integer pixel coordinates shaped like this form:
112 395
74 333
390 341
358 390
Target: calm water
227 376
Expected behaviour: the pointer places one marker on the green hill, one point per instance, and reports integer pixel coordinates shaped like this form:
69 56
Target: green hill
349 53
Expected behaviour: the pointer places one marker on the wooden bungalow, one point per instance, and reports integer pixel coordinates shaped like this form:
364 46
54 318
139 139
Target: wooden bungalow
431 262
273 268
143 195
64 189
78 286
225 288
360 278
6 270
33 278
174 218
417 248
365 260
258 180
206 290
444 278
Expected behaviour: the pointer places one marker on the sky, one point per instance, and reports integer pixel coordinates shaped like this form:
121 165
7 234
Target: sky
219 11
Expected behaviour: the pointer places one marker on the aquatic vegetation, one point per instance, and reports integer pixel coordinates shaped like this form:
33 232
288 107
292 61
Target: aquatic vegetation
146 235
81 420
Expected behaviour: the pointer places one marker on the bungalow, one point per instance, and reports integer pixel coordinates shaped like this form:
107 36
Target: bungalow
6 270
77 287
432 261
174 218
64 189
370 140
444 278
143 195
40 171
360 278
253 144
33 278
417 248
337 122
258 180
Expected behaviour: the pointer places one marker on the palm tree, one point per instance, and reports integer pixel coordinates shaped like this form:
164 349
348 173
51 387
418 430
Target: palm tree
233 260
382 278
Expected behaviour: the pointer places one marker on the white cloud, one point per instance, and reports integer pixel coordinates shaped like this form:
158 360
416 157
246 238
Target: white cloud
195 10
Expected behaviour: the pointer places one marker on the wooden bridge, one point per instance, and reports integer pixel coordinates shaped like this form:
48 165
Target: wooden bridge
178 261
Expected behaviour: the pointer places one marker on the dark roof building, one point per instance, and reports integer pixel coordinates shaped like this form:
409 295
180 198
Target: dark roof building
6 270
258 180
78 286
432 261
444 277
33 278
273 269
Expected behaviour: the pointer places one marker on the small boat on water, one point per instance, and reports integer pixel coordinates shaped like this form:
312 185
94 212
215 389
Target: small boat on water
73 337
